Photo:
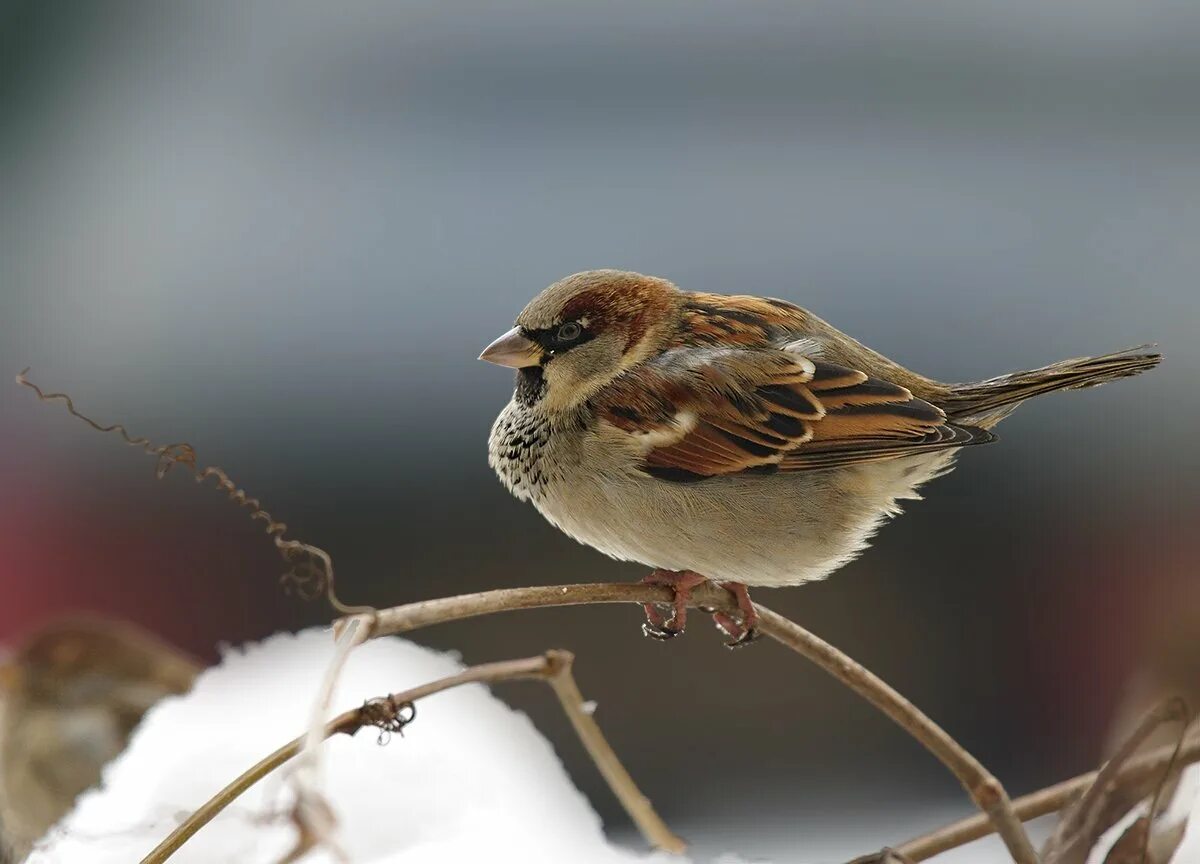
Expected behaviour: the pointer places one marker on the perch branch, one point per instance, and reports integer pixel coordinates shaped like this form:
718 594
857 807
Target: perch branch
1049 800
394 711
984 789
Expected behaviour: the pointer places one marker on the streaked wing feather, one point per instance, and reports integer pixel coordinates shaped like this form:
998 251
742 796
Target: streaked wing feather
707 412
944 437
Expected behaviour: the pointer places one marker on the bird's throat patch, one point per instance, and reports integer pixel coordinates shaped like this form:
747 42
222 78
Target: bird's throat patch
531 385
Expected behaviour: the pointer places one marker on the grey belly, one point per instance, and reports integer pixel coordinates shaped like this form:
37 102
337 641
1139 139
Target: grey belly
781 529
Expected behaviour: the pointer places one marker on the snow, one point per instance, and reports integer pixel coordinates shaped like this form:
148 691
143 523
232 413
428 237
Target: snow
470 780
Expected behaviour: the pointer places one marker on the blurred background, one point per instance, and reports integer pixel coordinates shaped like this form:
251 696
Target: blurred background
282 232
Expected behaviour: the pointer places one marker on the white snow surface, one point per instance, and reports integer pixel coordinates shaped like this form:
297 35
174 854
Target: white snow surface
470 780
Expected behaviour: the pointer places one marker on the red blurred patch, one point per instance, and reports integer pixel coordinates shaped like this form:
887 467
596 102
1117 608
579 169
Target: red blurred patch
168 555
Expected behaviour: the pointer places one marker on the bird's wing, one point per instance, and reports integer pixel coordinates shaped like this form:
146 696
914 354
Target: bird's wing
702 412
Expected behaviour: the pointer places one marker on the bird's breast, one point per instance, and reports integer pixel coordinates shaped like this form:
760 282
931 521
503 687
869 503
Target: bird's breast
518 450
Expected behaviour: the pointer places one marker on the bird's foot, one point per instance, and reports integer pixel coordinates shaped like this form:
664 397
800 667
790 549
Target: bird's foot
682 583
743 628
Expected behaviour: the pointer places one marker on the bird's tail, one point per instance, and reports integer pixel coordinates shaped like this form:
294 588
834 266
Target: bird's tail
986 402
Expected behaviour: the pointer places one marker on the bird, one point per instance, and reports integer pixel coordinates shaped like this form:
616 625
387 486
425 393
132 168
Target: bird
735 439
70 696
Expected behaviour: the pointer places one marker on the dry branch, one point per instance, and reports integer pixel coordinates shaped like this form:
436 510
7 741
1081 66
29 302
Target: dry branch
1142 770
636 804
1105 802
984 789
884 856
315 820
392 712
311 567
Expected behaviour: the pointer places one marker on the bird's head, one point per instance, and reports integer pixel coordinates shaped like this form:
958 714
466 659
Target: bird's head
583 331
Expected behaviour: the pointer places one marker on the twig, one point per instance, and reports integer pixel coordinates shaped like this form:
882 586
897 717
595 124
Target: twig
884 856
1099 808
312 568
1161 841
313 815
636 804
984 789
389 713
1049 800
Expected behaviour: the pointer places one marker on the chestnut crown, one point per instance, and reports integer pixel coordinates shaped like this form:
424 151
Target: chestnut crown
583 331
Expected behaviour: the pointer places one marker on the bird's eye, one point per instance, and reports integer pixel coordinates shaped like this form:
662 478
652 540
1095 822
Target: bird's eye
568 332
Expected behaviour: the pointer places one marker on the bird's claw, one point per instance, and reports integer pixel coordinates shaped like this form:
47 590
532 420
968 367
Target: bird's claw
661 632
741 627
748 635
658 625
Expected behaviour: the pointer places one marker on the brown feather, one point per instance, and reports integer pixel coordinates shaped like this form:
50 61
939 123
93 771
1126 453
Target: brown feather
739 368
830 376
819 455
988 401
738 410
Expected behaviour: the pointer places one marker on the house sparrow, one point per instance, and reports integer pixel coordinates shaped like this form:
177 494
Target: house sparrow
70 696
733 438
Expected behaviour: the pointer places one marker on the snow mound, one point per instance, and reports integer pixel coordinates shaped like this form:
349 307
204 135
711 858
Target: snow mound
470 780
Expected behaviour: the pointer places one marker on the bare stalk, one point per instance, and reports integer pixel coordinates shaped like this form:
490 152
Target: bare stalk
313 816
388 712
984 789
636 804
311 567
1099 808
1049 800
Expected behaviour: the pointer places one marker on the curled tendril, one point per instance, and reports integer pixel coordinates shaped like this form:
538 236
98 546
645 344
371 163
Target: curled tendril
312 568
307 577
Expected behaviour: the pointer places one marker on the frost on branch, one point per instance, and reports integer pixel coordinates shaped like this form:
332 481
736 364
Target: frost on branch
470 780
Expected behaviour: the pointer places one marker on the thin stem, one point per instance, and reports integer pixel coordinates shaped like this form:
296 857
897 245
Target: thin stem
415 616
636 804
210 808
311 812
1089 817
983 788
1048 800
553 667
315 567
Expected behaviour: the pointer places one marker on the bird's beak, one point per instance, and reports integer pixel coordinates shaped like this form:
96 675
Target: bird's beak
513 349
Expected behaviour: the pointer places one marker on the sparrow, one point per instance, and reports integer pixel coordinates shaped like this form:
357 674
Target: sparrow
70 696
731 438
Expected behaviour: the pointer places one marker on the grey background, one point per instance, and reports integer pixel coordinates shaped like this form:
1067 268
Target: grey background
283 232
